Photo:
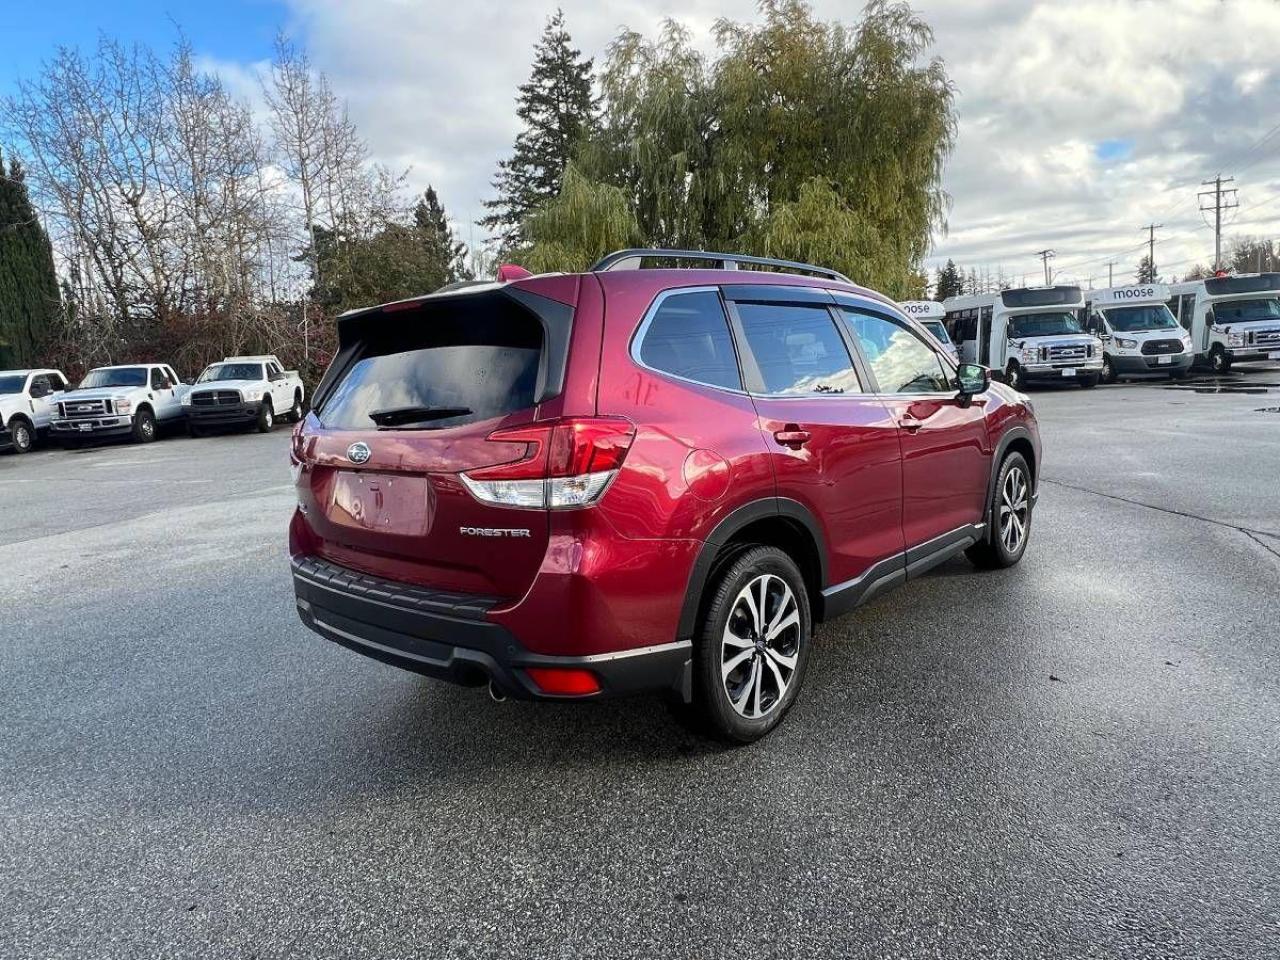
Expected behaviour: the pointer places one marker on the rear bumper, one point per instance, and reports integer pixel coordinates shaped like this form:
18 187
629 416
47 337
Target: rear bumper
450 637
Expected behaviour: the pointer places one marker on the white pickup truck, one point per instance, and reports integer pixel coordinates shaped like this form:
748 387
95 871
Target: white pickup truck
135 399
241 391
28 401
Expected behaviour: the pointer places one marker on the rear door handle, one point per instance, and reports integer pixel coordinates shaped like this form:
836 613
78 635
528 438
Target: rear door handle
791 436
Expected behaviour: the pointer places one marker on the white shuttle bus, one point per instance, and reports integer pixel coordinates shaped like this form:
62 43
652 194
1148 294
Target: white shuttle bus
1033 333
1140 337
1230 319
930 314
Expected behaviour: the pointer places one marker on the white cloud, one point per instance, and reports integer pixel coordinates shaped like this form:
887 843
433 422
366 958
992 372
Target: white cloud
1181 87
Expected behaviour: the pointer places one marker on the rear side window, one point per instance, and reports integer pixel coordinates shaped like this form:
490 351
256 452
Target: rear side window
688 337
798 350
444 370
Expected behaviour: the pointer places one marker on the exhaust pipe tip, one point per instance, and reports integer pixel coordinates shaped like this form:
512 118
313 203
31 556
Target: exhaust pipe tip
497 695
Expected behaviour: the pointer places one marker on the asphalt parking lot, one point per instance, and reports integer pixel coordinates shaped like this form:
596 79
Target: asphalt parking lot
1076 757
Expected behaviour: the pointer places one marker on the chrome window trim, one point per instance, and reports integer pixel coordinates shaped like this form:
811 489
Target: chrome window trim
637 339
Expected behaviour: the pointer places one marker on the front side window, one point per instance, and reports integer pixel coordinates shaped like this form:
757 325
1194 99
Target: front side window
114 377
688 337
798 350
158 379
900 360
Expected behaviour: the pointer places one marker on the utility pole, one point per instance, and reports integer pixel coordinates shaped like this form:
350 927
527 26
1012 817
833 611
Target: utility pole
1111 273
1046 256
1151 229
1222 200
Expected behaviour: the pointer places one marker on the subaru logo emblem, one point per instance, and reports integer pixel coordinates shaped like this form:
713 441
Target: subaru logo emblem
359 453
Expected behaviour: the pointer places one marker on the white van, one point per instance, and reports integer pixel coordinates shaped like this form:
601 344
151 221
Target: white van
1140 337
1230 319
930 314
1032 333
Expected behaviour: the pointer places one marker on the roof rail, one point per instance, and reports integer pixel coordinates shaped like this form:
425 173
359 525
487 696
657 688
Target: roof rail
630 260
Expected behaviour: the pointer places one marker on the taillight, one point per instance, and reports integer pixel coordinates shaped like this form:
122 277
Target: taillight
567 463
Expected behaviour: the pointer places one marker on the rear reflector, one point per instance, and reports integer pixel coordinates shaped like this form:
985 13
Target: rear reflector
564 681
567 463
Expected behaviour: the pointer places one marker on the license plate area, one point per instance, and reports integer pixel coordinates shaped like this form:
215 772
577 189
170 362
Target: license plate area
1068 371
1164 359
389 504
84 427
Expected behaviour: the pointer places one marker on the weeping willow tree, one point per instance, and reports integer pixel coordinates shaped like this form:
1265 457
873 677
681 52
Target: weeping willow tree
801 138
585 220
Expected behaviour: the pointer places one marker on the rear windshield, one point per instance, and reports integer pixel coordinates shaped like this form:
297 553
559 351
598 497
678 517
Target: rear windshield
442 371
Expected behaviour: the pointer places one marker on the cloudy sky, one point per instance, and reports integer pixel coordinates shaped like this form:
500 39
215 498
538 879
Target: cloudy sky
1080 122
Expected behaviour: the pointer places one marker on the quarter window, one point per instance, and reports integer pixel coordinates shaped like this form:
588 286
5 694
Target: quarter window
900 360
798 350
688 337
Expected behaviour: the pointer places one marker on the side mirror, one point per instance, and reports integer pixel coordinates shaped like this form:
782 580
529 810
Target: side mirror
972 378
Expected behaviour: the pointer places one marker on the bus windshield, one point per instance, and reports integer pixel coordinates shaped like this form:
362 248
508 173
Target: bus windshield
1243 311
1153 316
937 329
1048 324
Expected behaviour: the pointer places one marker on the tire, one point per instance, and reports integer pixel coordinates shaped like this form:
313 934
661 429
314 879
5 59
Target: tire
295 412
1108 369
266 417
1089 382
22 436
1013 375
144 425
756 693
995 551
1219 362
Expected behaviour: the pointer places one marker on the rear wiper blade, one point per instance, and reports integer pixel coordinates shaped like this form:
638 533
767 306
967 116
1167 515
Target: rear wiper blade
404 415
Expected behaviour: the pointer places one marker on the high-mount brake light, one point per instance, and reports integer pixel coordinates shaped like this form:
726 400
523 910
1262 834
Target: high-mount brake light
567 463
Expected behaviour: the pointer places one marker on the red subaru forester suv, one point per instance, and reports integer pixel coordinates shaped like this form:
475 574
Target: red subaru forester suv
580 485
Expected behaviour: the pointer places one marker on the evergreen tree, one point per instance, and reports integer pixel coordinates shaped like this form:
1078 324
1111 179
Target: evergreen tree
558 109
1146 271
950 282
29 298
441 246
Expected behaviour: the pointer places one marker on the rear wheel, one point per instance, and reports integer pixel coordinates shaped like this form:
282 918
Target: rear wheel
266 417
1008 517
295 412
144 426
21 435
753 646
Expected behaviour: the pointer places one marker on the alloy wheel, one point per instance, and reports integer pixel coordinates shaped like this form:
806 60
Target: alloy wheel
760 647
21 437
1014 509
